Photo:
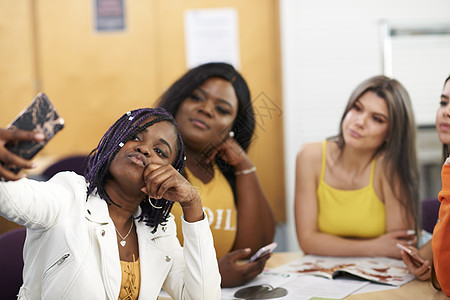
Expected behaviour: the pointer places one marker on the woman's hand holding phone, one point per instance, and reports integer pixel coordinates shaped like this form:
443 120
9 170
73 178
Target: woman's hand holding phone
411 253
416 264
27 134
263 251
9 158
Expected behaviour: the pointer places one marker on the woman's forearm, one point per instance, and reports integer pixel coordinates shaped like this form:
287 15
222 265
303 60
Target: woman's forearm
256 222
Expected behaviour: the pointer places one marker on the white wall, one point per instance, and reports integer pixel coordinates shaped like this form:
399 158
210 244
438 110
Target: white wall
328 47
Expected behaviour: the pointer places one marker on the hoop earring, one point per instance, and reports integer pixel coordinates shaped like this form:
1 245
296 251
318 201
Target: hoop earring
151 203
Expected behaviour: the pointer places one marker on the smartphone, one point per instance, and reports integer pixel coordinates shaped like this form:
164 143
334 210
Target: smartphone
39 116
262 251
411 253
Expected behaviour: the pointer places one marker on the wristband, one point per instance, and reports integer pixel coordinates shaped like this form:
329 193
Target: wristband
245 171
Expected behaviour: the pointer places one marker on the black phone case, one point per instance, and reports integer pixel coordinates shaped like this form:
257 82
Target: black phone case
39 116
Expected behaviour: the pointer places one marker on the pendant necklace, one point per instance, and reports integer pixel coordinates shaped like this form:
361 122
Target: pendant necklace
123 242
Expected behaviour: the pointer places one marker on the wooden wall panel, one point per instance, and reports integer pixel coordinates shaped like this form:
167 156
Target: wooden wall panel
16 58
93 77
260 65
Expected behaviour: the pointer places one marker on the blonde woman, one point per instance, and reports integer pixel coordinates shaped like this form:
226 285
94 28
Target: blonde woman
356 193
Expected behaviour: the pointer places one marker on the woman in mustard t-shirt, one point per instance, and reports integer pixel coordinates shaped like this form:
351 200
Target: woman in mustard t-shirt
356 193
212 106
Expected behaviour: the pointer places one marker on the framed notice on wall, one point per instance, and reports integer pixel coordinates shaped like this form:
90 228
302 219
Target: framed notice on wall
109 15
211 35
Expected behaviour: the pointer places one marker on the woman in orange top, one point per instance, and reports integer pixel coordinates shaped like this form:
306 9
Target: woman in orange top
423 270
441 241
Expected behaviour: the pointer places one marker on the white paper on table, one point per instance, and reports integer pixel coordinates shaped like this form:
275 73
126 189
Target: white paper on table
375 287
301 287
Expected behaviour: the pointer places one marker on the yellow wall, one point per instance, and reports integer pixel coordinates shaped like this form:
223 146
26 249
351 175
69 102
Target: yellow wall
93 78
16 58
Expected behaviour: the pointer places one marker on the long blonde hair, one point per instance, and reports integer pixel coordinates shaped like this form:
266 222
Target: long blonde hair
400 149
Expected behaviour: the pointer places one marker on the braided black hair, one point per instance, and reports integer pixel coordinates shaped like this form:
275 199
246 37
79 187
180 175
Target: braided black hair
123 130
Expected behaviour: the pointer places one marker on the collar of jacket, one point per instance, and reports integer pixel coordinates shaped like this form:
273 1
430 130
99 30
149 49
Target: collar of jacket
96 210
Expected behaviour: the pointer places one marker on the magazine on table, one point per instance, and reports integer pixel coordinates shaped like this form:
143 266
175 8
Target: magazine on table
376 269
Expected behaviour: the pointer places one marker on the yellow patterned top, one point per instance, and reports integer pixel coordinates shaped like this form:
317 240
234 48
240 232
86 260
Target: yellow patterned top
218 202
131 280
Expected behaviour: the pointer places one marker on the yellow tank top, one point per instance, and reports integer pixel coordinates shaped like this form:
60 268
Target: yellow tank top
350 213
131 280
218 203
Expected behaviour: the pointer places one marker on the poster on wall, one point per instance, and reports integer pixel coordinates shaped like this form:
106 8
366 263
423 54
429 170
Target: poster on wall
109 15
211 35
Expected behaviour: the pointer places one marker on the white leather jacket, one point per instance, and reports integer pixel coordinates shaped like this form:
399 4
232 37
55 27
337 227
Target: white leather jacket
71 249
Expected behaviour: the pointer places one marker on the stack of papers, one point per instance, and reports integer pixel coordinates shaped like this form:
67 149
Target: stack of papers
319 277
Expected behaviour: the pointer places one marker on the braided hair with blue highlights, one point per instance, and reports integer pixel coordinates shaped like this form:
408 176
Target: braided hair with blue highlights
123 130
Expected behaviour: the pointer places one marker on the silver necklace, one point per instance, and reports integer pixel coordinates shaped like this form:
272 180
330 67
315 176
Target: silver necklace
123 242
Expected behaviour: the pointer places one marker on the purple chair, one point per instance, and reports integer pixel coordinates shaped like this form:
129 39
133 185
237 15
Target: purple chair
72 163
11 262
430 213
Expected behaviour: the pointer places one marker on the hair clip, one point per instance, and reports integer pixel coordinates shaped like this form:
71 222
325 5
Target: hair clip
131 118
129 113
121 144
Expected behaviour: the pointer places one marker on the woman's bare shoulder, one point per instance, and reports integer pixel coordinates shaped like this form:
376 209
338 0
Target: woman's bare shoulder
310 153
308 166
310 149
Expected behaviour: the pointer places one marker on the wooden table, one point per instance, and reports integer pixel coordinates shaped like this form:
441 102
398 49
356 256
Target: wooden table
416 289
